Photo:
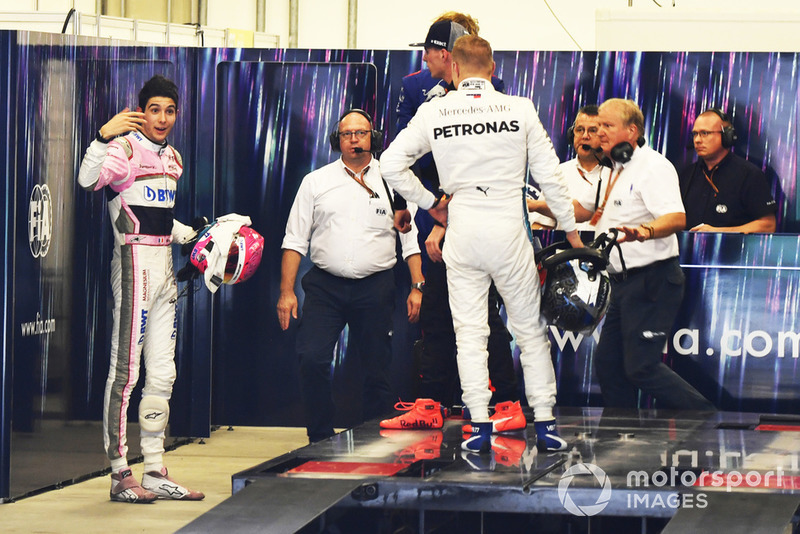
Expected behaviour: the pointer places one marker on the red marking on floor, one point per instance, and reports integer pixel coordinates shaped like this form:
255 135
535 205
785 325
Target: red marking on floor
347 468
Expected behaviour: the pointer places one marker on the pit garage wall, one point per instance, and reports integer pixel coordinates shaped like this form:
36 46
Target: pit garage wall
6 222
252 123
58 290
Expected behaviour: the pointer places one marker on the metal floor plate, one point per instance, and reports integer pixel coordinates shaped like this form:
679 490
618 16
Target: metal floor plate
646 464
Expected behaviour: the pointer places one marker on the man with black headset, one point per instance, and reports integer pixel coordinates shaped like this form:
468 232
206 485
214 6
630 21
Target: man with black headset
723 192
643 201
342 217
583 172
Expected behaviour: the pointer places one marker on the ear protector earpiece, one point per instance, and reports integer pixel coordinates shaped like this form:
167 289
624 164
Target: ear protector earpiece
729 136
374 138
623 152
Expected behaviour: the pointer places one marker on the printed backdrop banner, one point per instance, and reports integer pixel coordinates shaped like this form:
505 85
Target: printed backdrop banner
252 123
672 88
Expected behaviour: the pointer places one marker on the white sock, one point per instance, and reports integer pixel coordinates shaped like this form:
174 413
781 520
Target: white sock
153 466
543 413
119 465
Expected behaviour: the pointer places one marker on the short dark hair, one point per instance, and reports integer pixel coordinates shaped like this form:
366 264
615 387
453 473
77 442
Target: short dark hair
592 110
158 85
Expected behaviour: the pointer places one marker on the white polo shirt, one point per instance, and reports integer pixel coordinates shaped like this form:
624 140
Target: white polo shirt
646 188
347 230
580 183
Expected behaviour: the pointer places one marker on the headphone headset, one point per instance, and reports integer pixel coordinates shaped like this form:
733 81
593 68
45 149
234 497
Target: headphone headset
374 137
729 136
623 152
571 135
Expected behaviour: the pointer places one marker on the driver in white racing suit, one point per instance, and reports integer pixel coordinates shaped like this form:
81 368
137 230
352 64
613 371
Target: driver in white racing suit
482 141
140 173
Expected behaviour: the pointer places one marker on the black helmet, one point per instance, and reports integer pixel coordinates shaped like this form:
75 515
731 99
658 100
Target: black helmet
575 286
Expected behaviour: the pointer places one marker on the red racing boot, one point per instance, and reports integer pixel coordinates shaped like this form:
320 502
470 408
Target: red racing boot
507 417
422 414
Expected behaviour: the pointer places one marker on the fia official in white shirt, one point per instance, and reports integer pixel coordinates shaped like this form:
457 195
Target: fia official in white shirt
642 199
342 218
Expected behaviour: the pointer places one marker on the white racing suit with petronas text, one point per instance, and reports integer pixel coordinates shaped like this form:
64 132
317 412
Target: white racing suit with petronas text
483 142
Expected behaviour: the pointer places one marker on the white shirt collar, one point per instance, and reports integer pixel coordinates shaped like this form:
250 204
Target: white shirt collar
369 164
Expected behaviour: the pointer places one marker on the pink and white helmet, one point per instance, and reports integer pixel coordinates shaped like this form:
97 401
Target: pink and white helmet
245 247
244 256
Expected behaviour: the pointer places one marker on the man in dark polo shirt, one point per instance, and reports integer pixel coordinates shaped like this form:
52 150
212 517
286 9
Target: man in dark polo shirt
723 192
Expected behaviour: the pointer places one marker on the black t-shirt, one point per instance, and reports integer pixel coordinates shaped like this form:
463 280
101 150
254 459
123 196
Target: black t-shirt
744 194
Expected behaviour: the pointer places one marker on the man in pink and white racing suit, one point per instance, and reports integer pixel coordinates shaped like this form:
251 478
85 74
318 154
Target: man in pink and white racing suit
140 173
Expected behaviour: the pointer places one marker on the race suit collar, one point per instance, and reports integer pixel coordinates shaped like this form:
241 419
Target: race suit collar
475 84
147 143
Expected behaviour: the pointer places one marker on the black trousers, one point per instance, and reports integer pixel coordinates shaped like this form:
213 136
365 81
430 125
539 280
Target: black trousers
629 355
438 371
366 305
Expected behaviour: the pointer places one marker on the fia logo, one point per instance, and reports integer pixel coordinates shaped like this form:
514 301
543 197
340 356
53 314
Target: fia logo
380 211
40 221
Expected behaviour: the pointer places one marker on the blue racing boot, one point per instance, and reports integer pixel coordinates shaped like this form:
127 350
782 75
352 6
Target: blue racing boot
547 438
480 439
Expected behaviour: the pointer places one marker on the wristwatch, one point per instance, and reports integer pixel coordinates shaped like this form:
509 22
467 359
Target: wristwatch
418 286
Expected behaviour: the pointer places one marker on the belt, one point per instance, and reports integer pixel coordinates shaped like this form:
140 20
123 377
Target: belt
153 240
619 277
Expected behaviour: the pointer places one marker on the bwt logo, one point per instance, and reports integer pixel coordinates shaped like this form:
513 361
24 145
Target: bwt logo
159 195
584 469
142 327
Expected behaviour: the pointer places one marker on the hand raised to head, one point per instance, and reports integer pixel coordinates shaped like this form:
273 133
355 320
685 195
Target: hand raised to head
123 122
